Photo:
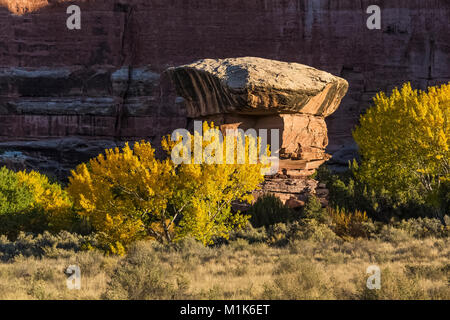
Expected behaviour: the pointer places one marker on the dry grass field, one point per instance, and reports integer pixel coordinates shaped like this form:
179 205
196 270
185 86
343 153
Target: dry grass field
313 268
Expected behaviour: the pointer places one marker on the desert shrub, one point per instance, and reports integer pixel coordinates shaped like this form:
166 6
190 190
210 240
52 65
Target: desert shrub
215 293
393 235
313 209
424 227
349 224
349 193
298 279
142 276
239 244
41 245
405 147
29 202
189 250
279 234
432 272
311 229
395 286
269 210
414 228
251 234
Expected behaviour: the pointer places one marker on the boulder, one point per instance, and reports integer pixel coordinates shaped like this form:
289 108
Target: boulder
251 85
295 204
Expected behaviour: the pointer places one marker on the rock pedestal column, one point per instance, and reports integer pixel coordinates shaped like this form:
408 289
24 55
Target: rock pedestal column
258 93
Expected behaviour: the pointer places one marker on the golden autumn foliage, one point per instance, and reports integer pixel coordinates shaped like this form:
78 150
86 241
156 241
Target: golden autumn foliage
346 224
29 202
404 142
128 195
122 193
48 197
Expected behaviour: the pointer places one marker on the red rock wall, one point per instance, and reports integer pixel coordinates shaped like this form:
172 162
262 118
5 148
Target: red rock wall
331 35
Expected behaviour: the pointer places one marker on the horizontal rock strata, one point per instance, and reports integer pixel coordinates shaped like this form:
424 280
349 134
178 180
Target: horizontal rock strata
67 115
75 67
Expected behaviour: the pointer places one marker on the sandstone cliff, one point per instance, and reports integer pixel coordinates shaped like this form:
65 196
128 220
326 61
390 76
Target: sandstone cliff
104 83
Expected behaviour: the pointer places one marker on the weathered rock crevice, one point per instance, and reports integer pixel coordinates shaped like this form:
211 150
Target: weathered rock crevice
128 54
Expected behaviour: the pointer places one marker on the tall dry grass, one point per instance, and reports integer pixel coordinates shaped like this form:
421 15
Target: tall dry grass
300 269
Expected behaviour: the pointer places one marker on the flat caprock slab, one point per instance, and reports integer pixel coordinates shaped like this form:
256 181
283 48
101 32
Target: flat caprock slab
256 86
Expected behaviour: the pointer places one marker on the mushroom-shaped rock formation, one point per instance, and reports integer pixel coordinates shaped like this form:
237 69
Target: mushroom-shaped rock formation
259 93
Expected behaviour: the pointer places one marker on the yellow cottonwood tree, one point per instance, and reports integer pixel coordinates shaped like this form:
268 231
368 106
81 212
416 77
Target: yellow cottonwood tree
29 202
49 198
128 195
404 142
213 185
123 193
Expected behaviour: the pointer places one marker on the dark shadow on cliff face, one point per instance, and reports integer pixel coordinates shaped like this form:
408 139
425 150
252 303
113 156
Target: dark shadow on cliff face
24 7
